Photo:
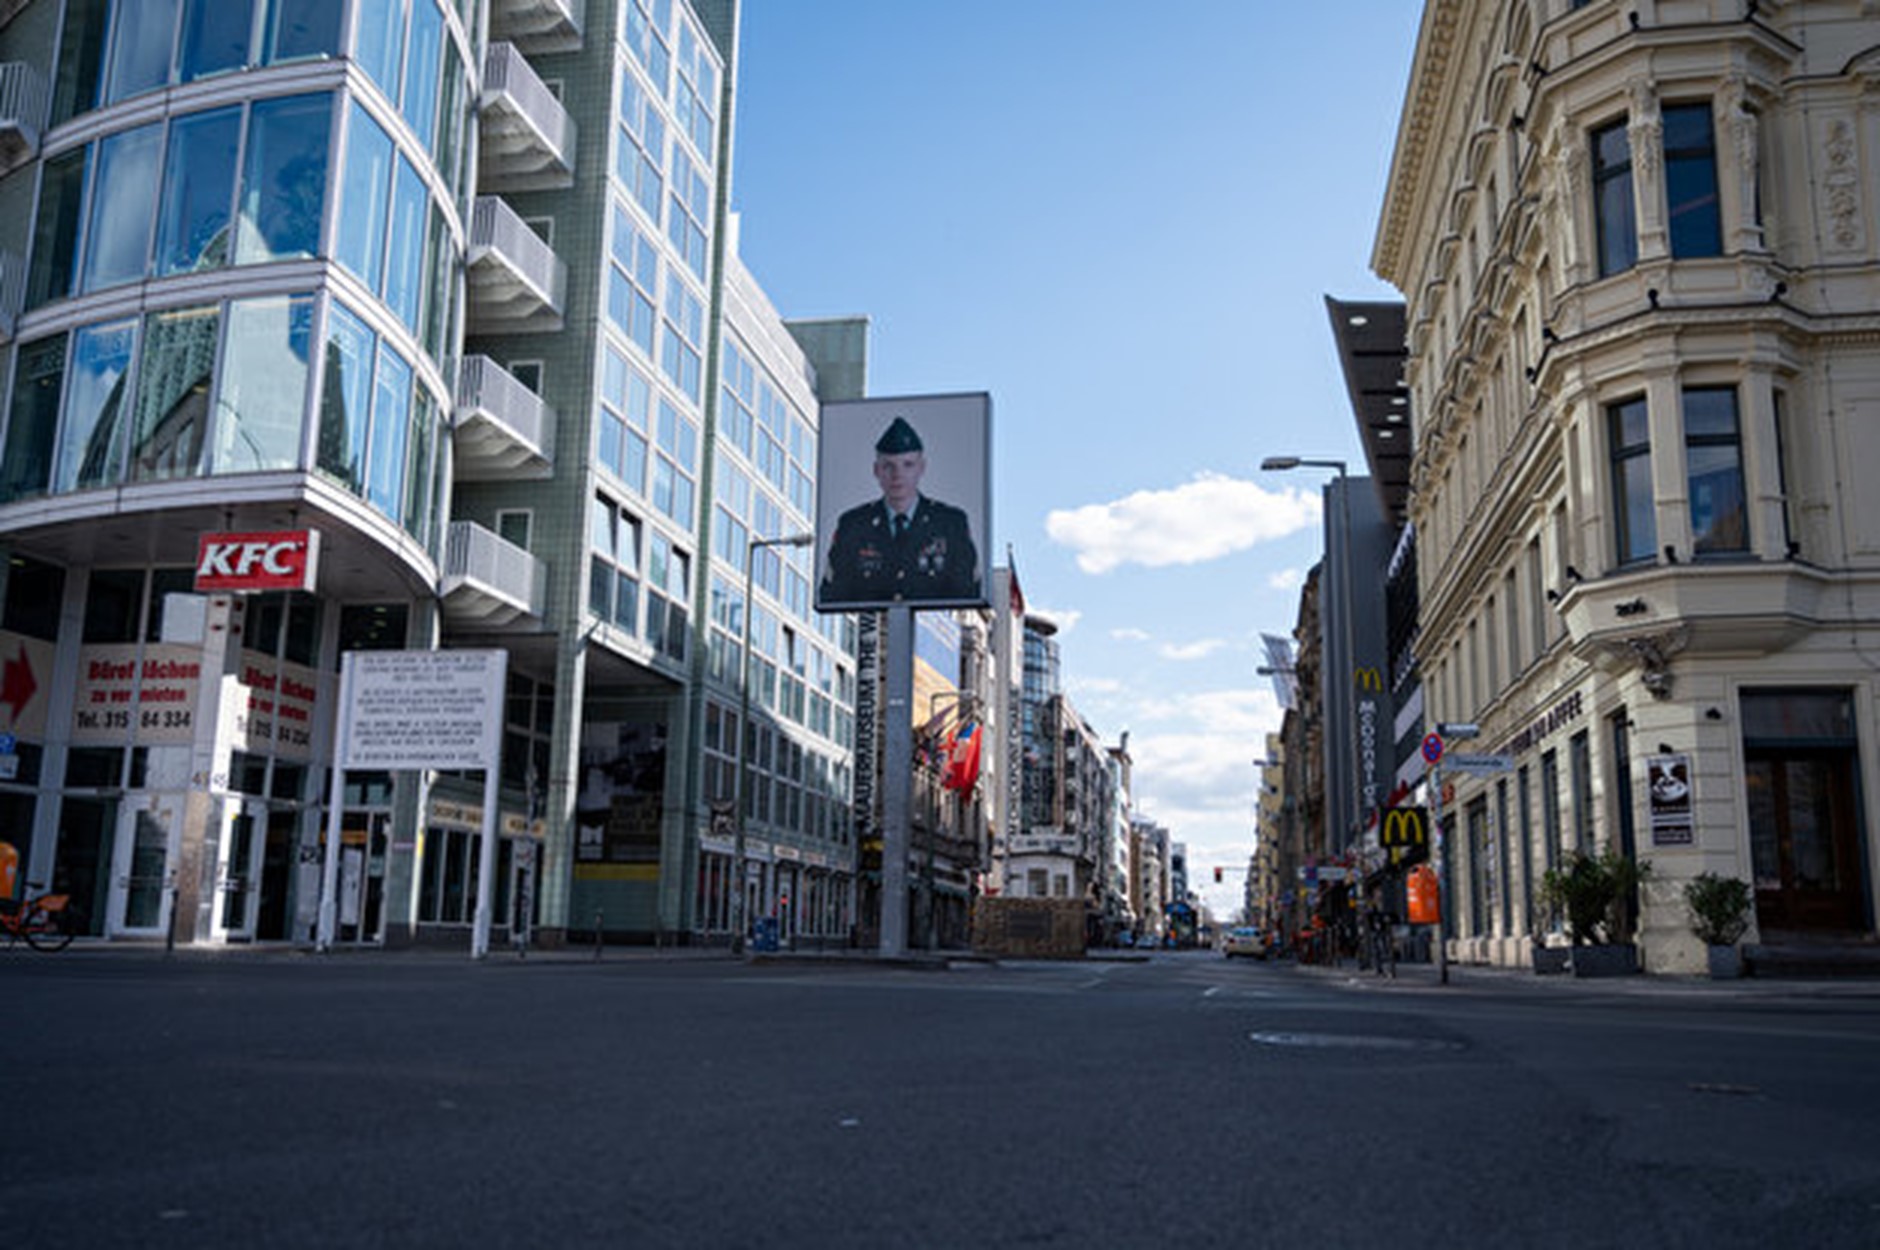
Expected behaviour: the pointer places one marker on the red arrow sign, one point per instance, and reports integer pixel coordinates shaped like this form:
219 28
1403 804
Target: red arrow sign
17 686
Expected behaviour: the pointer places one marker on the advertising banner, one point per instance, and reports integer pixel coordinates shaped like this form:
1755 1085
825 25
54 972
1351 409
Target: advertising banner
147 692
1668 782
904 503
257 560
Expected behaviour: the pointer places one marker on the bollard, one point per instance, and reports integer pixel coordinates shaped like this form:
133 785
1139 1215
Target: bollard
597 935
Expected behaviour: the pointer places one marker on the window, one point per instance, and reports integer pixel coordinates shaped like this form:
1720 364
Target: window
626 398
55 228
284 179
34 594
632 280
391 411
33 423
346 397
117 231
1550 815
1580 760
1635 529
198 193
646 23
613 581
142 36
1691 181
215 39
172 411
91 433
512 525
404 254
1782 474
1714 462
262 394
114 601
640 146
365 188
424 57
1614 215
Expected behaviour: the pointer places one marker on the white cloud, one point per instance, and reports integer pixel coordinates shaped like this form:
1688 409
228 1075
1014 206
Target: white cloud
1130 634
1093 685
1199 650
1248 714
1064 618
1286 579
1205 519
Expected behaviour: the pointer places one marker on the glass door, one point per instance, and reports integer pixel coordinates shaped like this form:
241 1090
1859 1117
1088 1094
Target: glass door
1803 840
82 867
140 894
240 872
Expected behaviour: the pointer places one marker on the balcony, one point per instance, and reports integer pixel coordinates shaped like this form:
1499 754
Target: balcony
517 283
537 26
502 428
23 103
488 582
526 138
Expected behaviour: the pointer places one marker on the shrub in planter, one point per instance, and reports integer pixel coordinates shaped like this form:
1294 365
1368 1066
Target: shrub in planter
1586 890
1719 908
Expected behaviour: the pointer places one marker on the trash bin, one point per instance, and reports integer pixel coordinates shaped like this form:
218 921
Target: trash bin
766 936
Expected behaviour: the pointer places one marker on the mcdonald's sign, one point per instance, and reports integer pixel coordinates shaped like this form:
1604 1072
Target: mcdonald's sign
1368 678
1405 827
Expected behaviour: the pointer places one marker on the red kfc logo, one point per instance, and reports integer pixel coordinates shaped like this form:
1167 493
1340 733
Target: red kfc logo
277 560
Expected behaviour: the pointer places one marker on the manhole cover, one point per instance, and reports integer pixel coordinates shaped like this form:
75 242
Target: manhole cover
1351 1041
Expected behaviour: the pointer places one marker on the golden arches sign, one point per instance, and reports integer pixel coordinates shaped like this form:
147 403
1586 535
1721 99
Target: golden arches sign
1368 678
1405 827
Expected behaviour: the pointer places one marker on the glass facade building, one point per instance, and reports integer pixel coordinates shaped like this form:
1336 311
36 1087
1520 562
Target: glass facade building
448 283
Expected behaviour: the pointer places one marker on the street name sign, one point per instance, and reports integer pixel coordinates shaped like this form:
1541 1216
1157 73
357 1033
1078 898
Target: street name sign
1478 765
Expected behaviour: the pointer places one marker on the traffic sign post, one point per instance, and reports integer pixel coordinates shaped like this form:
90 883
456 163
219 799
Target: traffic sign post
1478 765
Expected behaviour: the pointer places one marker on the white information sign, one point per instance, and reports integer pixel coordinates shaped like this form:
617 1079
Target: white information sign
424 709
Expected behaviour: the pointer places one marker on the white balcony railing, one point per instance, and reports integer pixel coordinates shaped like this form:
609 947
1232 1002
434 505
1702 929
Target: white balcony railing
538 26
503 429
23 102
488 581
516 280
526 138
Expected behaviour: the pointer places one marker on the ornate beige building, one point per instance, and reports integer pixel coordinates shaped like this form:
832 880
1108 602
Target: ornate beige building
1639 248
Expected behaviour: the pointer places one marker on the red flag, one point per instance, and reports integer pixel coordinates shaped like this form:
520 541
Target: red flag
963 759
1018 596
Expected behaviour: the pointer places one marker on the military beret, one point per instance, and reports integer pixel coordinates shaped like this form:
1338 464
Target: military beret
898 439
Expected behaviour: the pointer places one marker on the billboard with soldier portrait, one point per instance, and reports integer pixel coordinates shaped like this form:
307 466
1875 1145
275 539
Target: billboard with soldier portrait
904 503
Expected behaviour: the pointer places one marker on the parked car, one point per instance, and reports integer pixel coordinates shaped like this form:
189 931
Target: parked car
1244 940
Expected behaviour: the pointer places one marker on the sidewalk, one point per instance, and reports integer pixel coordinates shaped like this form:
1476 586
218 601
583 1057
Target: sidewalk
1485 979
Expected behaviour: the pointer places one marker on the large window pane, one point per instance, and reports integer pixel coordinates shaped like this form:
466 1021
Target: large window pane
33 420
418 468
215 38
379 44
95 406
346 397
142 35
81 56
1691 181
404 259
284 179
264 385
1614 213
422 68
391 407
117 232
299 29
359 241
55 228
1714 464
198 189
173 393
1635 525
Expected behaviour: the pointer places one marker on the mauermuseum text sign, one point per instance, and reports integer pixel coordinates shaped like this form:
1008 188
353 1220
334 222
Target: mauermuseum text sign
423 709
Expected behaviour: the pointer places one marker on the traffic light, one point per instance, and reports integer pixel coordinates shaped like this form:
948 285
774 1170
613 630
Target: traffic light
1217 874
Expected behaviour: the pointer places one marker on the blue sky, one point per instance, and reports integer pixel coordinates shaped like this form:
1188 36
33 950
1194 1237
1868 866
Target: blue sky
1121 220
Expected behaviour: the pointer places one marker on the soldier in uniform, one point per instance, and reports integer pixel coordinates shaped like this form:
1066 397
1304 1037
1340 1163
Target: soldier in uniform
903 546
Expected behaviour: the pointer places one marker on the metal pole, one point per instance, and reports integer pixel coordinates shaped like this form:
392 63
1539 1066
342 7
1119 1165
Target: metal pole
744 737
897 753
1437 853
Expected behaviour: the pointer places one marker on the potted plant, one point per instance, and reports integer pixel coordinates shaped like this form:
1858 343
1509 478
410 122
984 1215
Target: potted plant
1720 911
1586 889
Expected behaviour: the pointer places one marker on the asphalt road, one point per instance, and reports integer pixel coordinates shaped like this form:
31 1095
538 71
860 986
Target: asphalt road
422 1100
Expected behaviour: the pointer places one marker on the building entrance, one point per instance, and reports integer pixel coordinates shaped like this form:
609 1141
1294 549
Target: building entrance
140 871
254 876
82 867
1802 764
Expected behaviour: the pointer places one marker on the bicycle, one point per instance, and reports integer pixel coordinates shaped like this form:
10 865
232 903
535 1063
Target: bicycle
40 919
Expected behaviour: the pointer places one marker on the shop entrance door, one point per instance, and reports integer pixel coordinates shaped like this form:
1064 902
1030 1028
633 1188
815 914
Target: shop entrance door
1804 842
140 870
277 860
83 866
365 837
239 873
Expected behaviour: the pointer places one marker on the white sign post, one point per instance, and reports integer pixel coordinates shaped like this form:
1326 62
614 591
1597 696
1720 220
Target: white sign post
417 710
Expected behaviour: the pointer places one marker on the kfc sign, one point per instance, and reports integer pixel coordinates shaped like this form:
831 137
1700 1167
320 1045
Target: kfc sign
279 560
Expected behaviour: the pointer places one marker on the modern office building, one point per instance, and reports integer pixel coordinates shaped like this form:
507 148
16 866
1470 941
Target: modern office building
438 306
1637 247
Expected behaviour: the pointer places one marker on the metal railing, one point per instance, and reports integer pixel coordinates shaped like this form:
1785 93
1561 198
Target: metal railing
507 72
485 386
479 557
496 227
24 96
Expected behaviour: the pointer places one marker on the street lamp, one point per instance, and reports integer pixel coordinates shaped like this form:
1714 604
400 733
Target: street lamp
1281 464
744 726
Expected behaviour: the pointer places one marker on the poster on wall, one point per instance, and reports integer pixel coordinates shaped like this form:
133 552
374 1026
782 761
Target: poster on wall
1668 785
147 692
623 789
